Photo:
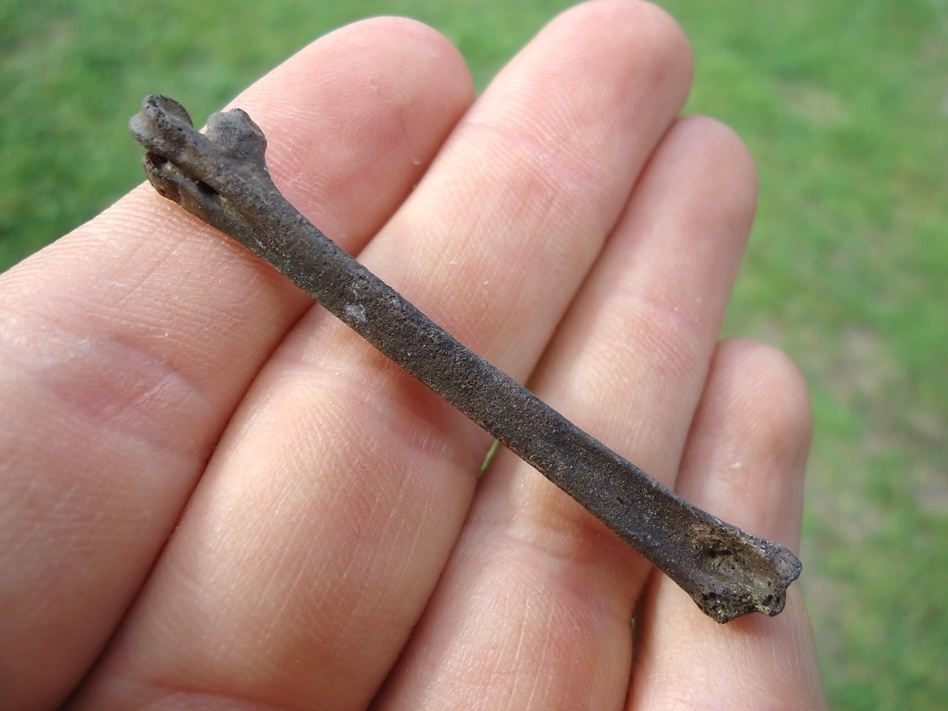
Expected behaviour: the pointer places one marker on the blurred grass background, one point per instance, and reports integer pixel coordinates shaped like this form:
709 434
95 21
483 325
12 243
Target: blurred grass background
845 106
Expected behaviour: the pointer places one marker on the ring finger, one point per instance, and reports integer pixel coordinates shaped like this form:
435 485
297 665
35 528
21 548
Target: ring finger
534 608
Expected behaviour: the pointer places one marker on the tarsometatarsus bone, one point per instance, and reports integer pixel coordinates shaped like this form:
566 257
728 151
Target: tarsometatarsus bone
222 178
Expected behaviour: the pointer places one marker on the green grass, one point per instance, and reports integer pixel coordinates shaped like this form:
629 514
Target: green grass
845 107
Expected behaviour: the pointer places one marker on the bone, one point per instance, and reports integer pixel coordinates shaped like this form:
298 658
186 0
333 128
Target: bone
222 178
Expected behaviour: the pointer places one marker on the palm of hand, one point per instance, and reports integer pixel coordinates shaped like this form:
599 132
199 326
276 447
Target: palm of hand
330 540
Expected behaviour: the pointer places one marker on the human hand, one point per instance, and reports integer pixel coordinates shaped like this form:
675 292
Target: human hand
330 540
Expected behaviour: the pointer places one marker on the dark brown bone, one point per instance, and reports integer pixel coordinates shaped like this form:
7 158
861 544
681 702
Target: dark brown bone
222 178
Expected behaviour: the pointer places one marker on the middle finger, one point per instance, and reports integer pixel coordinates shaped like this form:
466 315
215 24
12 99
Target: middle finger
492 245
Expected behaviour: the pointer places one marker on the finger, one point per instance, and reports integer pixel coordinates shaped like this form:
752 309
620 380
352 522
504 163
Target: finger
312 546
534 609
744 461
125 347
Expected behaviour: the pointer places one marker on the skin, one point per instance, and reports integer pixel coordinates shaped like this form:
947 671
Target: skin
215 496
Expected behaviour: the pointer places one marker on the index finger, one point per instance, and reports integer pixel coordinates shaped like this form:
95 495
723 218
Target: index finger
126 346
